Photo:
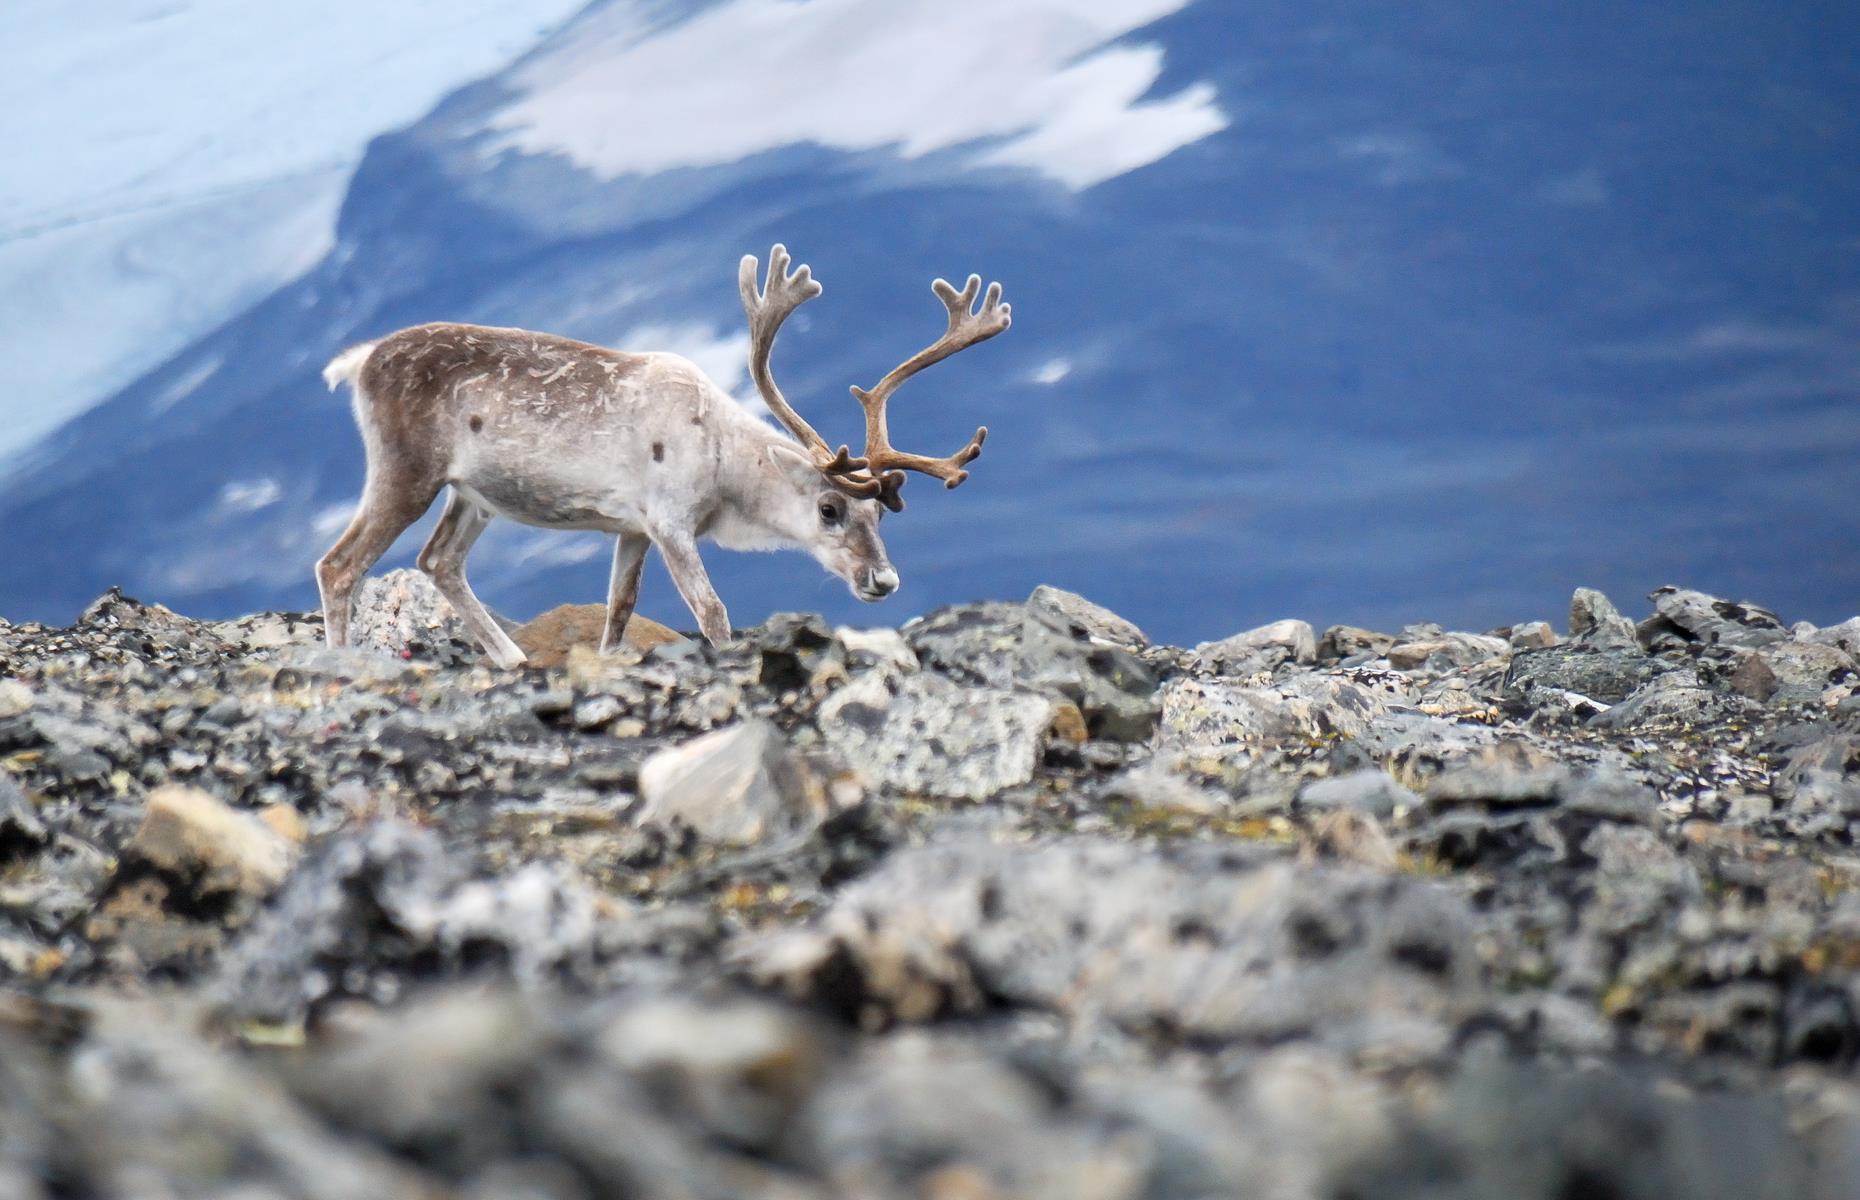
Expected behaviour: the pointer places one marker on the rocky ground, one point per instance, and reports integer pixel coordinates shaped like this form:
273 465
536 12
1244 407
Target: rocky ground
1008 902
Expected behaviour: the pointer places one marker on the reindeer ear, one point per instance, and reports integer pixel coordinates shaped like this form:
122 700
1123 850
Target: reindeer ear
790 458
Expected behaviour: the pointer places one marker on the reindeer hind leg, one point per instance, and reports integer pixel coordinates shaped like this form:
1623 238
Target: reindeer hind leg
388 506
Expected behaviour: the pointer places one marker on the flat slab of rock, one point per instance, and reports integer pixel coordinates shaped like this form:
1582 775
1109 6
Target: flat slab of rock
1791 670
372 910
1532 635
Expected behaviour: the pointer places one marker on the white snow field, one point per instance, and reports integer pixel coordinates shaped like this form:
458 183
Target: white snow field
169 161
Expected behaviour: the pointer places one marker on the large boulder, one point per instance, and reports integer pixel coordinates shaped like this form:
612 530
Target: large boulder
1093 621
371 911
1004 646
1220 717
1607 674
1685 618
923 734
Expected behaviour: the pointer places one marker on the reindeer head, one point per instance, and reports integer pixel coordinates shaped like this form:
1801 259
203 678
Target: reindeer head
834 499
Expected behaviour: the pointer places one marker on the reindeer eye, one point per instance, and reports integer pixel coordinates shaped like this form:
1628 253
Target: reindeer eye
832 512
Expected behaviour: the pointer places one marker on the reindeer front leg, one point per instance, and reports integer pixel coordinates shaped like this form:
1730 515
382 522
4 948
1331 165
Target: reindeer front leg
679 549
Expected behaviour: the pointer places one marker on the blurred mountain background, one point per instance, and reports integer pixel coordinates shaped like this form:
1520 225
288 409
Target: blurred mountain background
1363 313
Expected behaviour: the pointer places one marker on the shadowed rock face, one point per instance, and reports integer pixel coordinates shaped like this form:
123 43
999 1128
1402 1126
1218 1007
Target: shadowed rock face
1007 903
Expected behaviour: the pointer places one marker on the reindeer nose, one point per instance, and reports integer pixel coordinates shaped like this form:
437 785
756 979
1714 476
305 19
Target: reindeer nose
880 582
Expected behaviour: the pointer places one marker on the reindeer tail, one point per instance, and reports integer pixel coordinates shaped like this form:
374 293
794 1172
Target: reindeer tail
346 366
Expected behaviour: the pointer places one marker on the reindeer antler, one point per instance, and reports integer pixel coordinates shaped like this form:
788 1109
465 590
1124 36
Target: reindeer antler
967 326
879 473
767 309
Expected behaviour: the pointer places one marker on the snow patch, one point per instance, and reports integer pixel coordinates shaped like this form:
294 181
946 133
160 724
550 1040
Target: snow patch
720 354
1034 80
182 386
1052 371
249 495
328 522
558 548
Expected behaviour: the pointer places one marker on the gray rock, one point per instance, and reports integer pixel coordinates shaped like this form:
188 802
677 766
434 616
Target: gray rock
1609 794
268 630
1497 785
21 830
1533 635
371 911
941 1117
298 663
877 649
1197 943
1085 618
1791 670
1594 621
738 1070
1529 1133
1845 636
401 613
1816 782
430 1068
484 978
1418 746
162 1112
1350 641
1605 674
1370 791
734 786
1685 617
1005 646
923 734
1675 701
216 849
1214 715
1258 650
1153 785
15 698
1446 651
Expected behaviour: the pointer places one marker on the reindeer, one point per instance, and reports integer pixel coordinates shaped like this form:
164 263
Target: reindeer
561 434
